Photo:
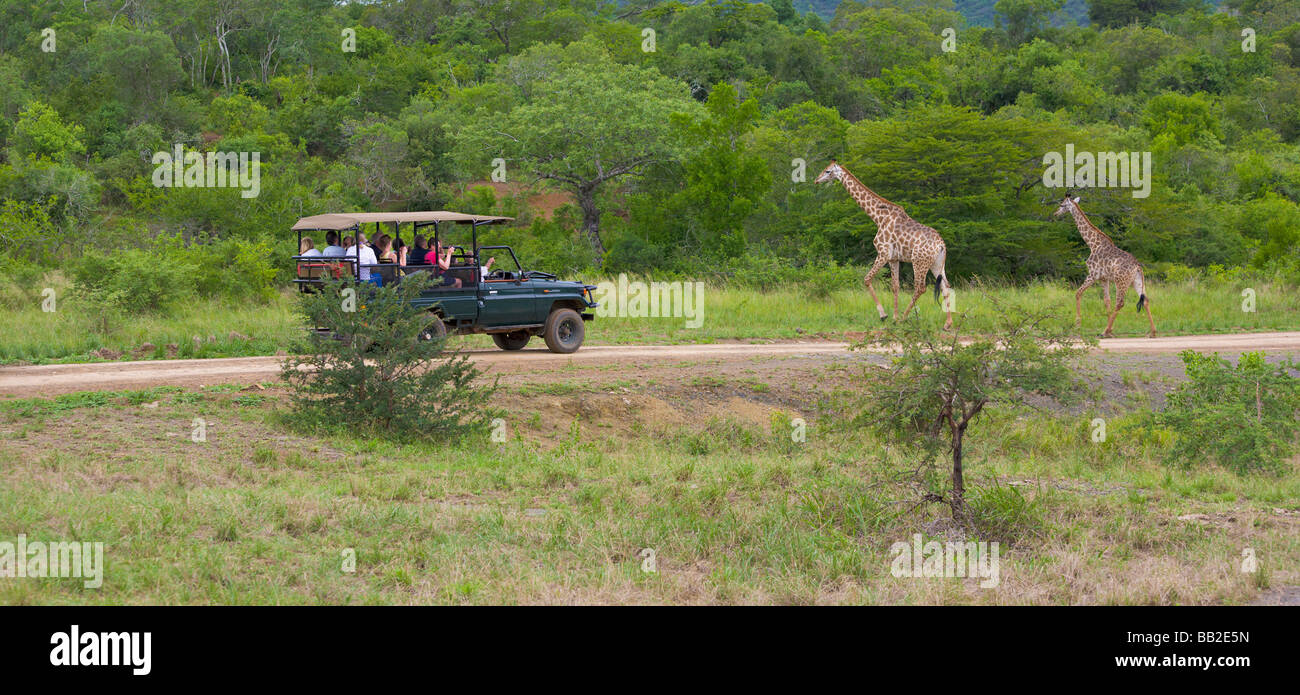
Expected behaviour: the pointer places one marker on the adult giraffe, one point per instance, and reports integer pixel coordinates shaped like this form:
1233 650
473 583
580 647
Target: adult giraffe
899 239
1106 263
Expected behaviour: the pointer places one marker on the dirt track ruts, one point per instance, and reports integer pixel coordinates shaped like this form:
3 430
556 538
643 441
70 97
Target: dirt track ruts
116 376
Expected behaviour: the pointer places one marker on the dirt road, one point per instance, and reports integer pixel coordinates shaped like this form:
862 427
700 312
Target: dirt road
117 376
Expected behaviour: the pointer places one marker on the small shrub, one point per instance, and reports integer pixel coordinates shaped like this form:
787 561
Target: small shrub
375 374
1244 418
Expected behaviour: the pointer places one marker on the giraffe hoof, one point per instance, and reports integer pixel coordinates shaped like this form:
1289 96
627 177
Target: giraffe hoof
1152 334
1108 334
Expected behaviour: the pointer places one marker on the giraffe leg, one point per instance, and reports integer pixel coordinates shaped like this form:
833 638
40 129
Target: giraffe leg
942 287
871 275
1078 298
893 283
1119 304
1105 296
1139 286
919 276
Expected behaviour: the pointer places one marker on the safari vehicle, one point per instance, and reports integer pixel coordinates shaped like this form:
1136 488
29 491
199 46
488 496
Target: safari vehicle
511 304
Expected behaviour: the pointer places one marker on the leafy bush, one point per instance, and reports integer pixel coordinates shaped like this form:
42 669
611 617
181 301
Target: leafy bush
825 279
156 277
30 233
233 268
135 279
20 283
1243 417
378 372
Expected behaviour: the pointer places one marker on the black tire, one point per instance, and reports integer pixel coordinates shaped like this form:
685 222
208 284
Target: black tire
434 331
511 341
564 331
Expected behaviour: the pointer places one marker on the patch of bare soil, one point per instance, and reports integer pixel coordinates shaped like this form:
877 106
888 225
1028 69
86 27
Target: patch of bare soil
1281 596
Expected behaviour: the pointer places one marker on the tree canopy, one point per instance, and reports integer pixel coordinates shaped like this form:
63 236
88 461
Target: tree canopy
658 136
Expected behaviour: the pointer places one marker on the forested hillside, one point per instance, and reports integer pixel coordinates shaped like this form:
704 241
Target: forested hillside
688 148
985 13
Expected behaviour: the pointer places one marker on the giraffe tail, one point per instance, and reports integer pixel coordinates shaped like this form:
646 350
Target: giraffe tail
1142 290
938 286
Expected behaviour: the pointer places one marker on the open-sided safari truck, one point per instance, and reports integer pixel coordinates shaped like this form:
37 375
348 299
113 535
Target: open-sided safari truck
510 304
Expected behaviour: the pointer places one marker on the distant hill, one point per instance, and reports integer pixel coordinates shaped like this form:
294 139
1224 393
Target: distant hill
978 12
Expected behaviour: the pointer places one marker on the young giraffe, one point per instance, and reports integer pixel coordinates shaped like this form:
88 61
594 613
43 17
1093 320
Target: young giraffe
1106 263
899 239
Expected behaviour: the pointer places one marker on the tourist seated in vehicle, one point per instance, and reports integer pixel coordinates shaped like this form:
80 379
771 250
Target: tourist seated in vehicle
367 259
387 256
308 248
487 268
384 250
418 252
442 263
332 247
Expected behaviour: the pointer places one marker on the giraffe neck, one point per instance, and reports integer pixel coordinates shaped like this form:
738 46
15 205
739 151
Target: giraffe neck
1093 237
875 206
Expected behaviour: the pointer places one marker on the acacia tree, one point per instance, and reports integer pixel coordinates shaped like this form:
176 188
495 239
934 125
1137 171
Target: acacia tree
940 382
583 126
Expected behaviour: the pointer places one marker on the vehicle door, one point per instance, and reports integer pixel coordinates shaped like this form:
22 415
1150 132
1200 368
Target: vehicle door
507 302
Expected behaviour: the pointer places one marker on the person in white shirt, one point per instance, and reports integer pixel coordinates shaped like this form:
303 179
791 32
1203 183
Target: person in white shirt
484 271
332 248
367 259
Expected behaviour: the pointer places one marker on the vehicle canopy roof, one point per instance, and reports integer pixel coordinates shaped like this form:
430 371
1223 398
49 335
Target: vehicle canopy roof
348 220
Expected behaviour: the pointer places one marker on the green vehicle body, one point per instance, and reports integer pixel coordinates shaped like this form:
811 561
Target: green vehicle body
511 305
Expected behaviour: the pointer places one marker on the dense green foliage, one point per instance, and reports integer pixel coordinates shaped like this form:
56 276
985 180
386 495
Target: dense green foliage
675 150
377 373
1243 416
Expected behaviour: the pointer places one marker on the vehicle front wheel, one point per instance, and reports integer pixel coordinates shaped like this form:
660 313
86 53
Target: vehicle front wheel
511 341
564 331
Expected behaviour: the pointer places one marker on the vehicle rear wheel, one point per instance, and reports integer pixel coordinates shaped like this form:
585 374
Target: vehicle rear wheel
511 341
564 331
434 331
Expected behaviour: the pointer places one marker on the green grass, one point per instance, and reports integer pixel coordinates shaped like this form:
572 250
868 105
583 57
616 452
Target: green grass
1179 309
235 329
734 512
224 329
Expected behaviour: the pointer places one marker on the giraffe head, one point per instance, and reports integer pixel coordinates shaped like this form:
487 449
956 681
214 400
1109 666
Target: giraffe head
832 172
1066 205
